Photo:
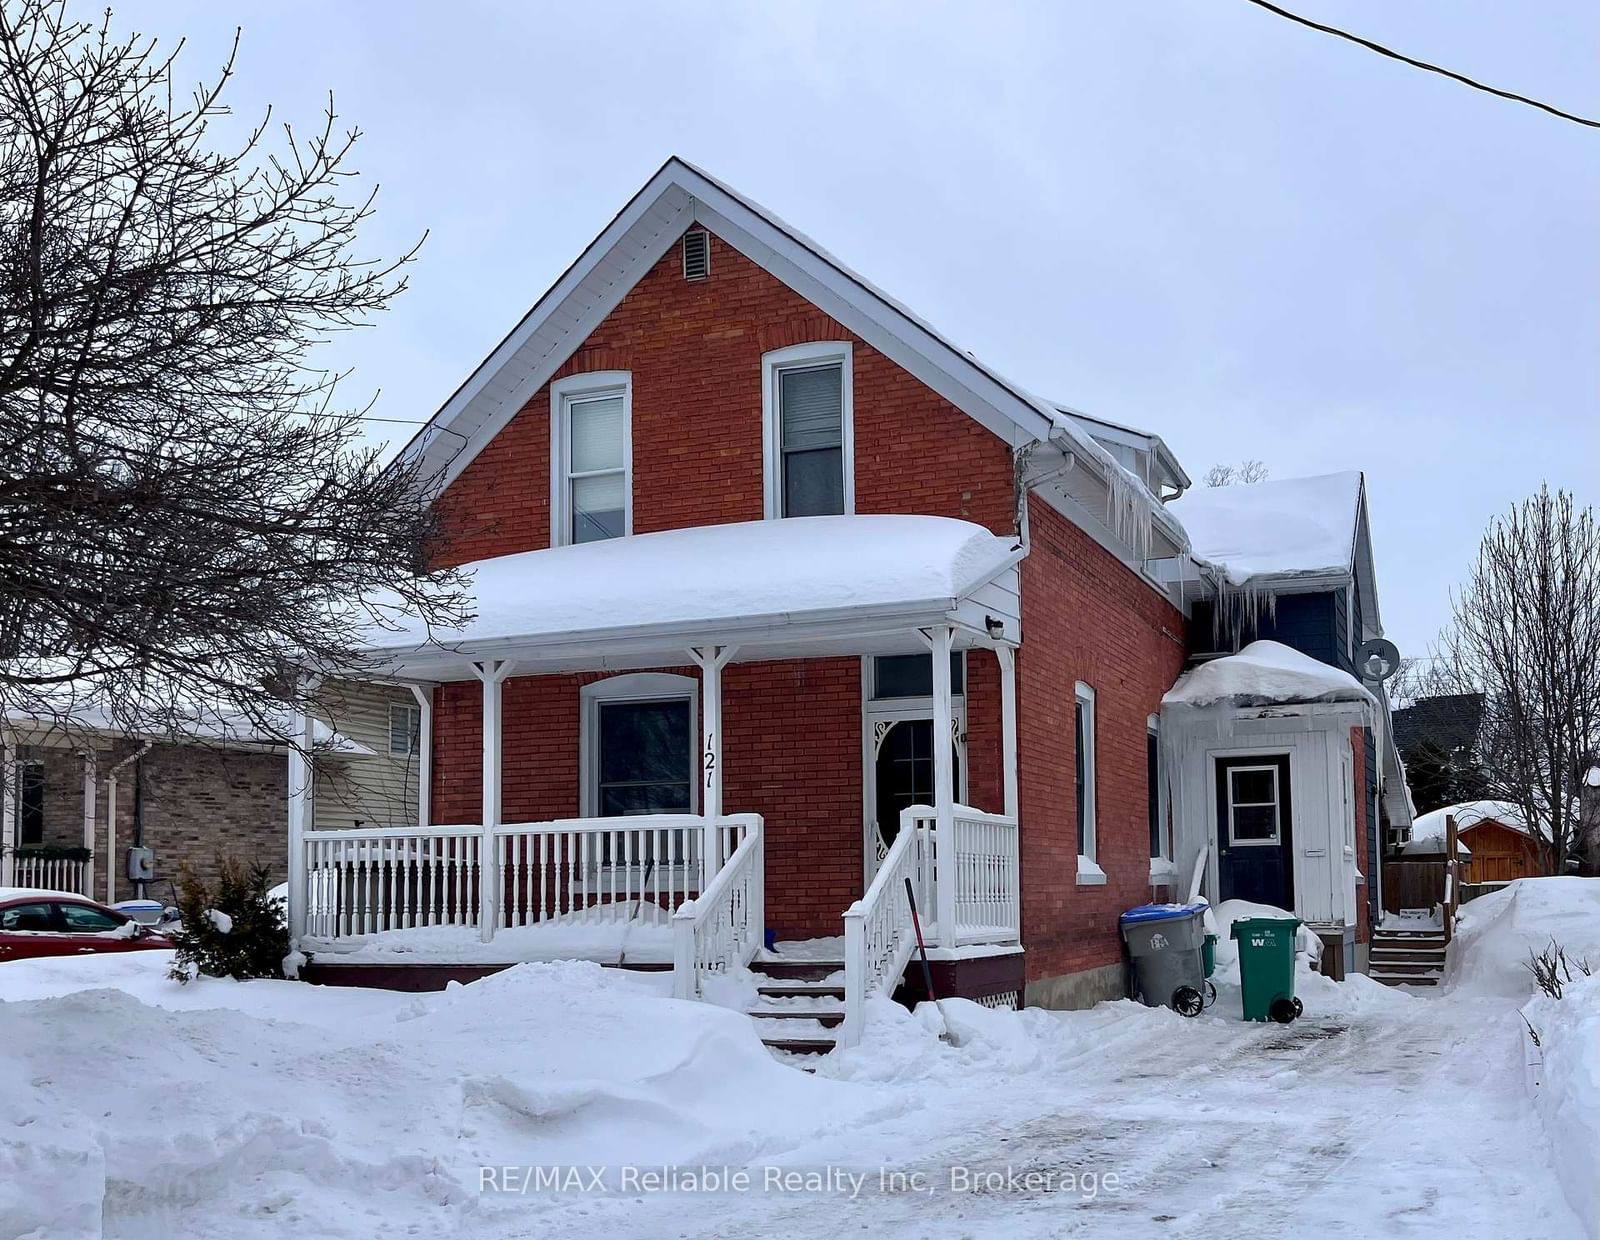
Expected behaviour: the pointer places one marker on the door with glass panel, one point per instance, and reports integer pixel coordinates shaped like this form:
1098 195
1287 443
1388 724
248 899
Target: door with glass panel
1255 830
899 717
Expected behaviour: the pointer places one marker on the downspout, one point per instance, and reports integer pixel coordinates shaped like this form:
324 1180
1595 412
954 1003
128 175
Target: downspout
111 817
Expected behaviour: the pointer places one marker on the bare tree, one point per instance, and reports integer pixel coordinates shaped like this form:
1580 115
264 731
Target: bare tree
182 507
1525 632
1246 471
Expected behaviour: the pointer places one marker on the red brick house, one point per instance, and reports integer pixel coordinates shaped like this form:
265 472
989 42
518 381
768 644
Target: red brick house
746 536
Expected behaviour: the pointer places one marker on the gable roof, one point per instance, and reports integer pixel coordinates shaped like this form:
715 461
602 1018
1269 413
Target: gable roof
677 197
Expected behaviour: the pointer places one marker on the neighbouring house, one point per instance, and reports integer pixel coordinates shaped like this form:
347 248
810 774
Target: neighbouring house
788 611
1589 821
80 791
1284 759
1438 738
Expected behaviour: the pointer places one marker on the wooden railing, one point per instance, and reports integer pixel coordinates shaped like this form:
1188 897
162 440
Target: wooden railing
373 880
988 893
50 873
878 933
721 930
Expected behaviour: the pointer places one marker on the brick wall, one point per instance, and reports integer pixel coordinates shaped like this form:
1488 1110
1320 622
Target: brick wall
694 350
1085 617
199 804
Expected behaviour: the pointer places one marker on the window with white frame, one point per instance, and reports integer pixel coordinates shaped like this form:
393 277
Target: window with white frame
591 457
1083 714
405 727
638 745
809 436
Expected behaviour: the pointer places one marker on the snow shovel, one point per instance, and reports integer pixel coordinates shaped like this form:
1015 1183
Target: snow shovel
947 1036
622 947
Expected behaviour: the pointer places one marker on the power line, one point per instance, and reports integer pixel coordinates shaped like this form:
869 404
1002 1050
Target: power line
1424 65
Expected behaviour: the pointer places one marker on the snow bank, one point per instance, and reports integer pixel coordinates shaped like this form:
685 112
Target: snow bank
718 572
1567 1089
1497 931
1264 674
251 1109
1295 525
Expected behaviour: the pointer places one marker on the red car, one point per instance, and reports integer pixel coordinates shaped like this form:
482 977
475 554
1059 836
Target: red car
58 923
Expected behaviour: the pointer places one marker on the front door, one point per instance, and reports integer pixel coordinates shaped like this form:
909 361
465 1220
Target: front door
902 776
1255 830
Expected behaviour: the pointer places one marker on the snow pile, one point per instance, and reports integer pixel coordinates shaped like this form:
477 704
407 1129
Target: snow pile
1296 525
646 938
222 923
1497 931
709 573
1265 674
1567 1088
275 1108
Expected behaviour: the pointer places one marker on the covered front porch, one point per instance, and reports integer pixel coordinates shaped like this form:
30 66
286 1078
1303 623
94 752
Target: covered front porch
658 869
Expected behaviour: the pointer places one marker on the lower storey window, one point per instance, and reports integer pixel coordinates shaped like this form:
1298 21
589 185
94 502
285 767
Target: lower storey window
645 758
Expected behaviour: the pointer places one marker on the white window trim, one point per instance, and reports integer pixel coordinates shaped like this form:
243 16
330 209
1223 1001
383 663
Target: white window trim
634 687
1277 804
562 393
1089 873
415 714
813 354
1163 869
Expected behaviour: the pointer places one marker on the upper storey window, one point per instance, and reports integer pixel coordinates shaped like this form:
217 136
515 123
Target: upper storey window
592 457
810 468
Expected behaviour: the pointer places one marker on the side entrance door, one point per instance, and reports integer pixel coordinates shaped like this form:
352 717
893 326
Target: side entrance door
901 775
1255 830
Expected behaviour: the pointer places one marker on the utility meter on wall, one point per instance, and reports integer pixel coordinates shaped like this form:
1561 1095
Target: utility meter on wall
141 865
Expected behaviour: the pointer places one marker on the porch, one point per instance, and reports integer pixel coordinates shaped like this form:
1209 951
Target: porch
684 890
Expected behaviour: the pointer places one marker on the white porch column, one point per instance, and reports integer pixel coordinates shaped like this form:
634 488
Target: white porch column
711 660
424 696
300 794
8 810
1007 657
492 673
90 786
943 787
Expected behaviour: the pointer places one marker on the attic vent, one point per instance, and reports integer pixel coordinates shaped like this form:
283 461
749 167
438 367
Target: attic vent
696 254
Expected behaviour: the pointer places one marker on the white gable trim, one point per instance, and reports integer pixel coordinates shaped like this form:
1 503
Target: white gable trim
635 240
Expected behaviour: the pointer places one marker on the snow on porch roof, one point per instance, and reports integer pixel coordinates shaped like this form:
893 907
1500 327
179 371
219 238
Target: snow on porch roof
1265 674
1268 529
713 579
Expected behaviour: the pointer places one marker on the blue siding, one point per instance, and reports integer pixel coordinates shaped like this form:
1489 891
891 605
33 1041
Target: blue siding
1309 623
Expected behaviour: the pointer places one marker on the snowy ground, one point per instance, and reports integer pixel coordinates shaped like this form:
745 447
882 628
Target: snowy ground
134 1107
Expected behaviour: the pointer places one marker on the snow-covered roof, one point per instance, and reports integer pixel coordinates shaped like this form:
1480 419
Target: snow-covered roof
1469 814
38 893
91 714
760 577
1265 674
1290 527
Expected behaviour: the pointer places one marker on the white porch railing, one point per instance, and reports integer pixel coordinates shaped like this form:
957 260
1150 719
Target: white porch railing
50 873
372 880
721 930
878 934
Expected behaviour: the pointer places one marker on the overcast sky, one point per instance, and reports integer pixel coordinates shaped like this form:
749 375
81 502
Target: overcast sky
1191 216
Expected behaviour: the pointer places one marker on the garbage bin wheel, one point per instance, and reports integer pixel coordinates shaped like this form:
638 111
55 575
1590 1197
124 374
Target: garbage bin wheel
1211 994
1299 1008
1284 1010
1187 1001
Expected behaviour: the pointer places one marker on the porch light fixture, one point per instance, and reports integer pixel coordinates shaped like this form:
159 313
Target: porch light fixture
995 627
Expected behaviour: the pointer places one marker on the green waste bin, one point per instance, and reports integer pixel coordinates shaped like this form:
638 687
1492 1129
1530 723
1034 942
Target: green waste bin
1266 967
1209 954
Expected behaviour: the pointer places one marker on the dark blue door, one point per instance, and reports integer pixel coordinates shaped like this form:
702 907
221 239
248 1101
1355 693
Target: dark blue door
1254 830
